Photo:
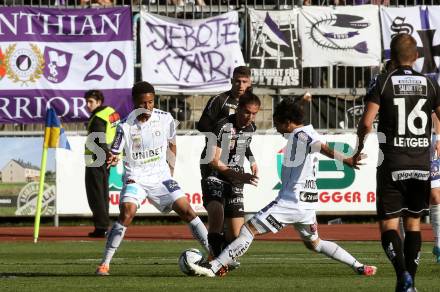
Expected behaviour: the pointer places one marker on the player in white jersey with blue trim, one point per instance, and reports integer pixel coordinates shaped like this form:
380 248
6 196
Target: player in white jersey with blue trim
434 199
145 137
296 201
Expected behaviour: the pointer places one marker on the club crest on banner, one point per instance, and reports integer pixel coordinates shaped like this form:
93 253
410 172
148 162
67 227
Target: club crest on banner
57 64
24 63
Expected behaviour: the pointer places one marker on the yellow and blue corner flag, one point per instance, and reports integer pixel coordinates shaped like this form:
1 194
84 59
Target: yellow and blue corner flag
54 136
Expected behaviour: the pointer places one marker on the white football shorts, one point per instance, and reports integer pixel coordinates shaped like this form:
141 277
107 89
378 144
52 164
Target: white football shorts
276 215
161 195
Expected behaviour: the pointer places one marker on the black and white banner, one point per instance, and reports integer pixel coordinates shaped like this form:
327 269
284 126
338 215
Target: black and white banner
422 23
275 55
340 35
190 55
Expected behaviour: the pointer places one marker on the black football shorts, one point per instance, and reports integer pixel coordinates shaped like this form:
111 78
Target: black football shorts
229 195
400 197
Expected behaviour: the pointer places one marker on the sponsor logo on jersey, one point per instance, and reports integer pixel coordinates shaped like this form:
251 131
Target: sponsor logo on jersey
409 85
272 221
24 64
308 197
410 174
147 153
411 142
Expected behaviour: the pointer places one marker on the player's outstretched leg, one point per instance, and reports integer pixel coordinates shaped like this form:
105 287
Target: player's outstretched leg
198 229
115 236
334 251
235 249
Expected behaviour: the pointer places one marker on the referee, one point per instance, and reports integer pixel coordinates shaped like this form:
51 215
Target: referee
404 100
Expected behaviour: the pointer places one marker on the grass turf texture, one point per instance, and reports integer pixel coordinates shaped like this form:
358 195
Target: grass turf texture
152 266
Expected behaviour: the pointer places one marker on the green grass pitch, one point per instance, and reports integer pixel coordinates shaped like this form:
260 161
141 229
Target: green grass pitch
152 266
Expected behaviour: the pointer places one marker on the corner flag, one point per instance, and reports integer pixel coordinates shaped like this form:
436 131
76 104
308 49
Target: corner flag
54 137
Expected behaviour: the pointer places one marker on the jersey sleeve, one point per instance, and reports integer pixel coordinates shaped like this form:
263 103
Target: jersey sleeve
210 114
311 138
220 132
119 141
373 91
172 129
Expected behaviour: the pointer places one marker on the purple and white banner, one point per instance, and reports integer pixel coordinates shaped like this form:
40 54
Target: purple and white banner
422 23
190 55
340 35
50 57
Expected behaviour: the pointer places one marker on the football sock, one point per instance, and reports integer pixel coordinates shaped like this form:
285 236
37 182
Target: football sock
114 239
435 221
216 243
401 228
334 251
411 249
234 250
392 245
199 232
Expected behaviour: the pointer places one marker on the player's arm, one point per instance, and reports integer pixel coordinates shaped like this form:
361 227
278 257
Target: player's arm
331 153
436 127
366 124
210 115
172 145
229 173
116 147
371 108
250 157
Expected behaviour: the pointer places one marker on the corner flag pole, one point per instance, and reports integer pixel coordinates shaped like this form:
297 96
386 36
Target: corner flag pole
40 194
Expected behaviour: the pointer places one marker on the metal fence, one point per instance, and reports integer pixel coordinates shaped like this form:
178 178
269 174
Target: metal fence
336 90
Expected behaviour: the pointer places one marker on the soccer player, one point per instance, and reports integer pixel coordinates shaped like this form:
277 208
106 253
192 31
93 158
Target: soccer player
224 177
145 137
218 108
297 199
404 100
434 199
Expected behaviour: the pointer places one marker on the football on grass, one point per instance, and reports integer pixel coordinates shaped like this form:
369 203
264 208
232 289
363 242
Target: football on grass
191 255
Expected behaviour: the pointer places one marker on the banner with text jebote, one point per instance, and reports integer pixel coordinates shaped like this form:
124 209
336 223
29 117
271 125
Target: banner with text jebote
341 189
50 57
182 55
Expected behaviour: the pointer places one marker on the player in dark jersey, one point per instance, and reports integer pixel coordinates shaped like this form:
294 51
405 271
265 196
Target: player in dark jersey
223 178
218 108
404 100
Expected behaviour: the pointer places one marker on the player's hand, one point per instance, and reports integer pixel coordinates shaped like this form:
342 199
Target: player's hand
254 169
355 161
112 159
247 178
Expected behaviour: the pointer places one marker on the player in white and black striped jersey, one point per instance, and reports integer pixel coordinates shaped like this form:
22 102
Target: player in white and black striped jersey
296 202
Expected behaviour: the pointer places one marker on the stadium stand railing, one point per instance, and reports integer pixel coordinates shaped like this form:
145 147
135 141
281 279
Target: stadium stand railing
337 90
